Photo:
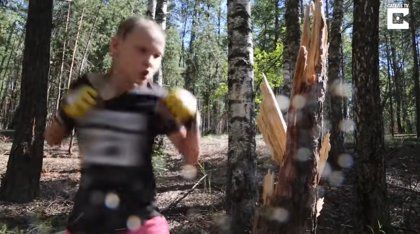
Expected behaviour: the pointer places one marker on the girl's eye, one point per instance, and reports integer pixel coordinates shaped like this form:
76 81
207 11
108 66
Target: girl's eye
156 56
142 50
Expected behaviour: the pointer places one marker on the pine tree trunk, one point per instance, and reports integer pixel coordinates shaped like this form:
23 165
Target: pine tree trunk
335 99
73 57
398 87
291 43
343 78
293 205
408 127
189 77
276 24
73 61
371 207
60 76
86 51
241 193
415 66
184 32
21 182
390 89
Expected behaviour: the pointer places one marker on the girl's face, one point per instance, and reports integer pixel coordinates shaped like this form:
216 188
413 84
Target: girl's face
138 56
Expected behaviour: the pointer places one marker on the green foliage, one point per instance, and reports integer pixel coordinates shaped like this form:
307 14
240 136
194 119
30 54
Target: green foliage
5 230
172 72
221 91
264 14
269 63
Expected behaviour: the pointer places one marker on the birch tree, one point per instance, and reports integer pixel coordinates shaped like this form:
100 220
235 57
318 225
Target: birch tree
241 185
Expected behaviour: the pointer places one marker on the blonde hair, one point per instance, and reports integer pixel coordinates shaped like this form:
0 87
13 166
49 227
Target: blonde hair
127 25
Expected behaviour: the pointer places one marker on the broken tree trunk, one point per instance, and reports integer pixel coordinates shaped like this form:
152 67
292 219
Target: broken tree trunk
292 208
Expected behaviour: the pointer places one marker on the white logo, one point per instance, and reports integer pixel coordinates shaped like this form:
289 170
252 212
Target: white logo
395 16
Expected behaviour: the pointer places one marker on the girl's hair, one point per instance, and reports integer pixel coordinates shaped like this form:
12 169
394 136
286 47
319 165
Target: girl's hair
127 25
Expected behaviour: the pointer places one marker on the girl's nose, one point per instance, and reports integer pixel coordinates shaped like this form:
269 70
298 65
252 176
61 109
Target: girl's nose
148 61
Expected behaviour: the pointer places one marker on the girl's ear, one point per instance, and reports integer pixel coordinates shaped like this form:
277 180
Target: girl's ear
113 46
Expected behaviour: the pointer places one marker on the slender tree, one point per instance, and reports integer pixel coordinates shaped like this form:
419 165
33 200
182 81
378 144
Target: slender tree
390 88
72 64
160 17
415 65
241 193
21 182
291 43
396 71
190 74
371 207
151 9
334 97
63 54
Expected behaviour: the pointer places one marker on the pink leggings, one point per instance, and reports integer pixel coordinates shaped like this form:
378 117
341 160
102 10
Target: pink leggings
156 225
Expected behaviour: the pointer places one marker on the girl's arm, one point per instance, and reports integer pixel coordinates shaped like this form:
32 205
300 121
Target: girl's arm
187 141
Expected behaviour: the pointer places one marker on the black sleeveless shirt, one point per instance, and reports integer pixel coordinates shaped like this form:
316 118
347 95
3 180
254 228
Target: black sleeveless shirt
116 140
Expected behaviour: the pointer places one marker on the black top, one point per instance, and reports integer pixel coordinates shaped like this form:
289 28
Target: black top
116 140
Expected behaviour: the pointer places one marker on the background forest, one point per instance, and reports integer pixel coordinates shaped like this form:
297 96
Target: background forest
197 53
196 57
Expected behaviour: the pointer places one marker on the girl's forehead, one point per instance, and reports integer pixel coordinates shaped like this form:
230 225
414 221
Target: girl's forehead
148 33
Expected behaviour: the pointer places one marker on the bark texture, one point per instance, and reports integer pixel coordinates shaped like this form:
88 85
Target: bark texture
241 193
21 182
371 207
293 206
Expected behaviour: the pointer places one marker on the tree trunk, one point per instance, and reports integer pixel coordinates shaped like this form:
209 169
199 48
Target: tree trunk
390 89
276 24
408 127
73 58
371 209
293 206
151 9
343 78
21 182
291 43
60 77
241 193
73 61
184 32
161 12
415 66
334 98
86 52
398 87
189 76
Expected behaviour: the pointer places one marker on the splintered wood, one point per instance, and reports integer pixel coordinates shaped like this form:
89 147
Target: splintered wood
268 187
323 154
309 78
271 123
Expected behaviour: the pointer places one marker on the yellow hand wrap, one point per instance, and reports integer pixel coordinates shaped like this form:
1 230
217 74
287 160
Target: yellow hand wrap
182 104
79 102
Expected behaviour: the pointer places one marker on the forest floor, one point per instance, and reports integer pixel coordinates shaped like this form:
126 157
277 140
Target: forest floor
202 210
